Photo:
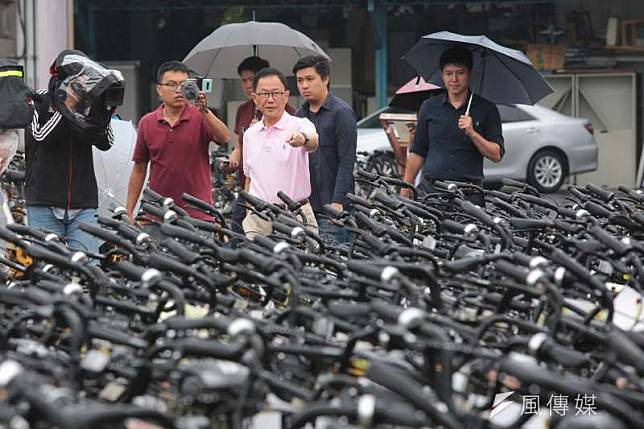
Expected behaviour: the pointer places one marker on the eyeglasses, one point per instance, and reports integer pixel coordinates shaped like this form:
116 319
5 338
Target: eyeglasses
267 95
172 86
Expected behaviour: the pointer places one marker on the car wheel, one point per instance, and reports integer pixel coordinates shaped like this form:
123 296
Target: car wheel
547 171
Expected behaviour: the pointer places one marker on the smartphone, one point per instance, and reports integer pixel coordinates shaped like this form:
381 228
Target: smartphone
206 85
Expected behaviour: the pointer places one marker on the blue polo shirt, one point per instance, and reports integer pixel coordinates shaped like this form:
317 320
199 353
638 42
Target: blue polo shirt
331 165
449 154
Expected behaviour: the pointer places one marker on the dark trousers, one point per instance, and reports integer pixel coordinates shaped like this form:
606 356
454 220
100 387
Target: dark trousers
239 213
326 228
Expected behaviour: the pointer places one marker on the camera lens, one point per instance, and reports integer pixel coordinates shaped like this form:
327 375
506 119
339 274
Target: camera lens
189 90
113 96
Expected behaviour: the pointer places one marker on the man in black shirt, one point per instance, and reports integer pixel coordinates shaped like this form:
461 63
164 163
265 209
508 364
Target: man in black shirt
331 166
450 141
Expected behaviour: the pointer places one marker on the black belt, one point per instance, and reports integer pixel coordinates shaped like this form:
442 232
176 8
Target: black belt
303 202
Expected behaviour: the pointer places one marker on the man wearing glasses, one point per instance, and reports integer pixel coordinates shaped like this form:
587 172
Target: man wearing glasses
174 139
276 152
247 115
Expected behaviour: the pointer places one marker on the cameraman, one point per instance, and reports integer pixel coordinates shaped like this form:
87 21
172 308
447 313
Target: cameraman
61 189
174 139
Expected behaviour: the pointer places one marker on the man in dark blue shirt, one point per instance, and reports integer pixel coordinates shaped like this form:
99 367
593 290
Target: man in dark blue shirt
454 135
331 166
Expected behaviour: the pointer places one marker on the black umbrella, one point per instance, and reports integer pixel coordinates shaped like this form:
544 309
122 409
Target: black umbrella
500 74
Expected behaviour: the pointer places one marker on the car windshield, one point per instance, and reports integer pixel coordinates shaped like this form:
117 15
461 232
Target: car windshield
372 121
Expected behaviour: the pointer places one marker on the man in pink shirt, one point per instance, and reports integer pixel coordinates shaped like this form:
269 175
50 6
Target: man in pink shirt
247 115
174 140
276 152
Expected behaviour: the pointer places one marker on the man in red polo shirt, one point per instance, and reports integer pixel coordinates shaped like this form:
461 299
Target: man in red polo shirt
174 140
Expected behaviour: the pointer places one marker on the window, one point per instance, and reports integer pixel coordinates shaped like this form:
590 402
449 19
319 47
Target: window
512 114
372 121
7 19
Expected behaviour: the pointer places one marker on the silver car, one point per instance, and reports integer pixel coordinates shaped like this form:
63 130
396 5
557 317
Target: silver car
542 146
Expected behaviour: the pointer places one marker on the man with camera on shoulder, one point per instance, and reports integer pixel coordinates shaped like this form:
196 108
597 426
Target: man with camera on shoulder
174 140
70 116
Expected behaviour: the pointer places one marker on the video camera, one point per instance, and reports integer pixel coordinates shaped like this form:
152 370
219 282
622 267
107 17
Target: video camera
96 90
190 88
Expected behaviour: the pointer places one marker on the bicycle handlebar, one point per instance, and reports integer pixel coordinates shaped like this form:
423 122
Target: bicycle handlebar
204 206
607 196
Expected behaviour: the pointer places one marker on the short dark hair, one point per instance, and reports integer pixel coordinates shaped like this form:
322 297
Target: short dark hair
176 66
253 64
318 62
458 55
269 71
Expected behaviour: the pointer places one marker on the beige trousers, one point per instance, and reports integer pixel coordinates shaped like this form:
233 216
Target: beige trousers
254 225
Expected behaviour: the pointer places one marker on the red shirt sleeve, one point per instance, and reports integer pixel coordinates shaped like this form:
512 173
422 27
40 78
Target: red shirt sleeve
141 152
206 132
238 124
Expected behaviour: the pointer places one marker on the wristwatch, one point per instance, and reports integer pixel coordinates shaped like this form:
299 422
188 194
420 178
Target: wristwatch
306 138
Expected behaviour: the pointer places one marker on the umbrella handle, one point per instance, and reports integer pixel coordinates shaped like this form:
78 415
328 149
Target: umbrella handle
469 103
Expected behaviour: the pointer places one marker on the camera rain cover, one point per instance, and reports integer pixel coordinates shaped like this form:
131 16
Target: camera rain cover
86 92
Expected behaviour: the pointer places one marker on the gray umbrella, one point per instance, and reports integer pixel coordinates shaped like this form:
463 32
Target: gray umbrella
500 74
219 54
